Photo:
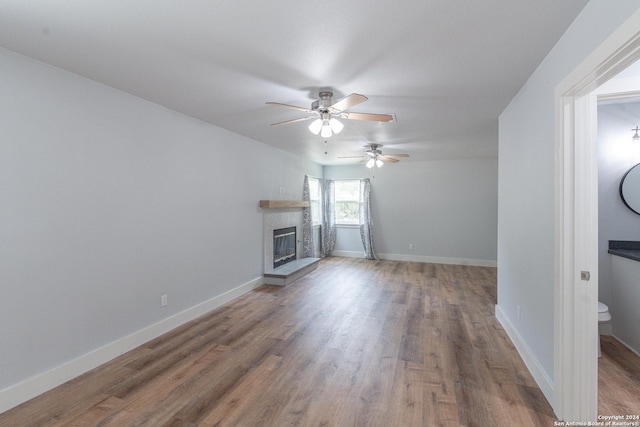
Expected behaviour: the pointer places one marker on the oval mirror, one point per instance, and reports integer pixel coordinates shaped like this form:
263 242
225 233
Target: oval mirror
630 189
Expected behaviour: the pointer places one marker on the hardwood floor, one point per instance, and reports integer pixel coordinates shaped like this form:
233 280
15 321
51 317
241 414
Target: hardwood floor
618 379
354 343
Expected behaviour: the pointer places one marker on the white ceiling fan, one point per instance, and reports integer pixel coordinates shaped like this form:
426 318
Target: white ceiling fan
373 156
326 112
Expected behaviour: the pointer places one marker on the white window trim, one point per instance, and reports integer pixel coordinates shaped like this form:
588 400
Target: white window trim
318 222
348 224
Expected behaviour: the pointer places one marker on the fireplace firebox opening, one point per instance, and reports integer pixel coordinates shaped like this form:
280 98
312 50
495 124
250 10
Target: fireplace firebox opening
284 246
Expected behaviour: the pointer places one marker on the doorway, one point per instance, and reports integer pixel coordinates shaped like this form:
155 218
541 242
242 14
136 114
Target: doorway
618 112
576 223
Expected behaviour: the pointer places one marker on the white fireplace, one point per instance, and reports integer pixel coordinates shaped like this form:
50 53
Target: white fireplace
278 219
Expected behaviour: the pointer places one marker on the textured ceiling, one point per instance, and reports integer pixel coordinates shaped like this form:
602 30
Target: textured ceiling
445 68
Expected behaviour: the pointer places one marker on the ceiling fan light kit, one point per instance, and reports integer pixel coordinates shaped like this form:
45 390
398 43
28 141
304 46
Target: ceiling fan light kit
326 126
374 162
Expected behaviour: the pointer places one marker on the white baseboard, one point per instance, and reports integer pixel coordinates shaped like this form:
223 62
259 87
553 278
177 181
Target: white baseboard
422 258
16 394
539 375
626 345
348 254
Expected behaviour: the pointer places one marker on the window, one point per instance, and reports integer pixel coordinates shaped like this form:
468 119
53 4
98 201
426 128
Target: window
315 200
347 202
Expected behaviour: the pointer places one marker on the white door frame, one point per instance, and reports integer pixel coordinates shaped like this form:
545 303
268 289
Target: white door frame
576 223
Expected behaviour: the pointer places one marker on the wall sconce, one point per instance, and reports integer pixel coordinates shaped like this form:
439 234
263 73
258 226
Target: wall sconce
635 137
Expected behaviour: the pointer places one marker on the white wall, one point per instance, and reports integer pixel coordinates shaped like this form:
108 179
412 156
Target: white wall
526 187
108 202
617 153
446 208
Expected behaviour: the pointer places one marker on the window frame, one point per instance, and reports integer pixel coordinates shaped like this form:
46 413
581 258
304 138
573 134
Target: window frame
317 219
350 224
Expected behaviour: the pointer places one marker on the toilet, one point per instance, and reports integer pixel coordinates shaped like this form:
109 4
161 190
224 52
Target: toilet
603 316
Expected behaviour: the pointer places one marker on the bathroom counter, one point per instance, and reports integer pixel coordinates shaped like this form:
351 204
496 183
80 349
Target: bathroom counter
626 253
625 248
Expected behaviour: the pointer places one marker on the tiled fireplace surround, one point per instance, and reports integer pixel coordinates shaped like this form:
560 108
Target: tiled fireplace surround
274 220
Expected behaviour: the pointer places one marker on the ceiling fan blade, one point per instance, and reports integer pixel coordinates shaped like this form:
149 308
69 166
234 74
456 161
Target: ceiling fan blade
369 116
402 156
348 102
388 159
294 107
286 122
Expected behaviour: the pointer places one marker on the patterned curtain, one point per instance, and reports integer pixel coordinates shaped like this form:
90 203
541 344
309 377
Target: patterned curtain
366 228
328 229
307 222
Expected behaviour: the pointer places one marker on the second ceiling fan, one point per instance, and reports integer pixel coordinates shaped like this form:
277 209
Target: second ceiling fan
373 156
326 111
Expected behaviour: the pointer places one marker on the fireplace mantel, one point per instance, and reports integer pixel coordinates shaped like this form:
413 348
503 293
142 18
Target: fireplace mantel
279 204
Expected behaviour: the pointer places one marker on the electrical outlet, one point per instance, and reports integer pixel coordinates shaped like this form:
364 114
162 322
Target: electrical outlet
410 246
163 300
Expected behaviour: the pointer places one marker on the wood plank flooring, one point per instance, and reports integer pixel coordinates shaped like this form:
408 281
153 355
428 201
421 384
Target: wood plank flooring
618 379
354 343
